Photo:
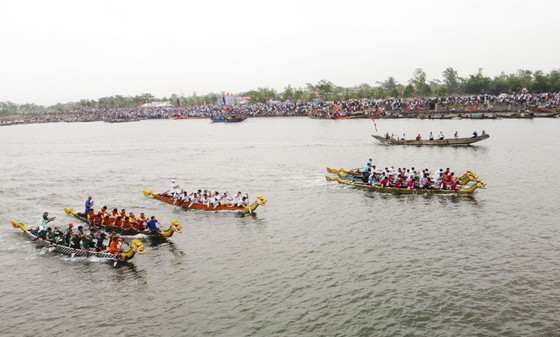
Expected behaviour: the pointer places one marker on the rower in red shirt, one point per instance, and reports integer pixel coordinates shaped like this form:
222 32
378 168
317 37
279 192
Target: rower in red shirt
410 184
91 215
108 221
384 182
140 222
126 223
446 181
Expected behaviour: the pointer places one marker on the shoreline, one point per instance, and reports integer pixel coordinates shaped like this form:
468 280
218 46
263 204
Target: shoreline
18 120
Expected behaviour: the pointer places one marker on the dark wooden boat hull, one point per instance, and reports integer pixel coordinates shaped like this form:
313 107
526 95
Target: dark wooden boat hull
73 252
128 232
203 207
435 142
228 120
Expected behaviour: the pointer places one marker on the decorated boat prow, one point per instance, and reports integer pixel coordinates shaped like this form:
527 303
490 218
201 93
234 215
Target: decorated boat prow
136 247
260 201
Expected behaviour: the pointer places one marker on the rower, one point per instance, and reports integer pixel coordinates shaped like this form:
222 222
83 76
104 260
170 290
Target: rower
99 246
438 175
126 225
428 184
431 136
132 217
410 184
474 134
114 246
365 176
103 210
195 199
117 222
140 222
385 181
68 229
418 137
108 221
48 235
237 198
225 200
214 201
153 225
91 215
68 236
441 136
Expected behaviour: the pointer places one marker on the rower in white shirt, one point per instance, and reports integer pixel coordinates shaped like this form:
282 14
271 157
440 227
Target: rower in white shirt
237 198
225 200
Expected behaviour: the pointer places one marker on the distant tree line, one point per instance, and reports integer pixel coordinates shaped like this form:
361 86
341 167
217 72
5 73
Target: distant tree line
418 86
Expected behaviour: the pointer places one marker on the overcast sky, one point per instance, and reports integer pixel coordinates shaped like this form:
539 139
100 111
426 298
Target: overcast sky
60 51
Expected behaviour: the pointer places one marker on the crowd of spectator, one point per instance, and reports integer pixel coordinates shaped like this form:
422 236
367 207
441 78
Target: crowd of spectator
318 108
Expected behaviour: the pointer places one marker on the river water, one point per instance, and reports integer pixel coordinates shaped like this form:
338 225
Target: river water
319 259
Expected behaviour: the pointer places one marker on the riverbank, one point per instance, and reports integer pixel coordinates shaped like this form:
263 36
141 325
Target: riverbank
430 114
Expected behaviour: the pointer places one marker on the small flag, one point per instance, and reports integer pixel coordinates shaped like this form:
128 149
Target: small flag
374 124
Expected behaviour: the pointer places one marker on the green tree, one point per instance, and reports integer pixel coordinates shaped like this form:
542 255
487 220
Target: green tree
553 81
326 89
451 80
261 95
365 91
478 84
408 91
418 80
288 93
299 95
390 84
441 91
539 82
500 84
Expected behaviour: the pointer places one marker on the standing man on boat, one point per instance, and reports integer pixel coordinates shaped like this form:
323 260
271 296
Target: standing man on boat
45 220
88 204
368 166
174 189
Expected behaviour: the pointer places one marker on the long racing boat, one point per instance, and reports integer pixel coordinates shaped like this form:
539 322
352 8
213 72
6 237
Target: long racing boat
228 119
467 184
136 247
434 142
174 227
204 207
